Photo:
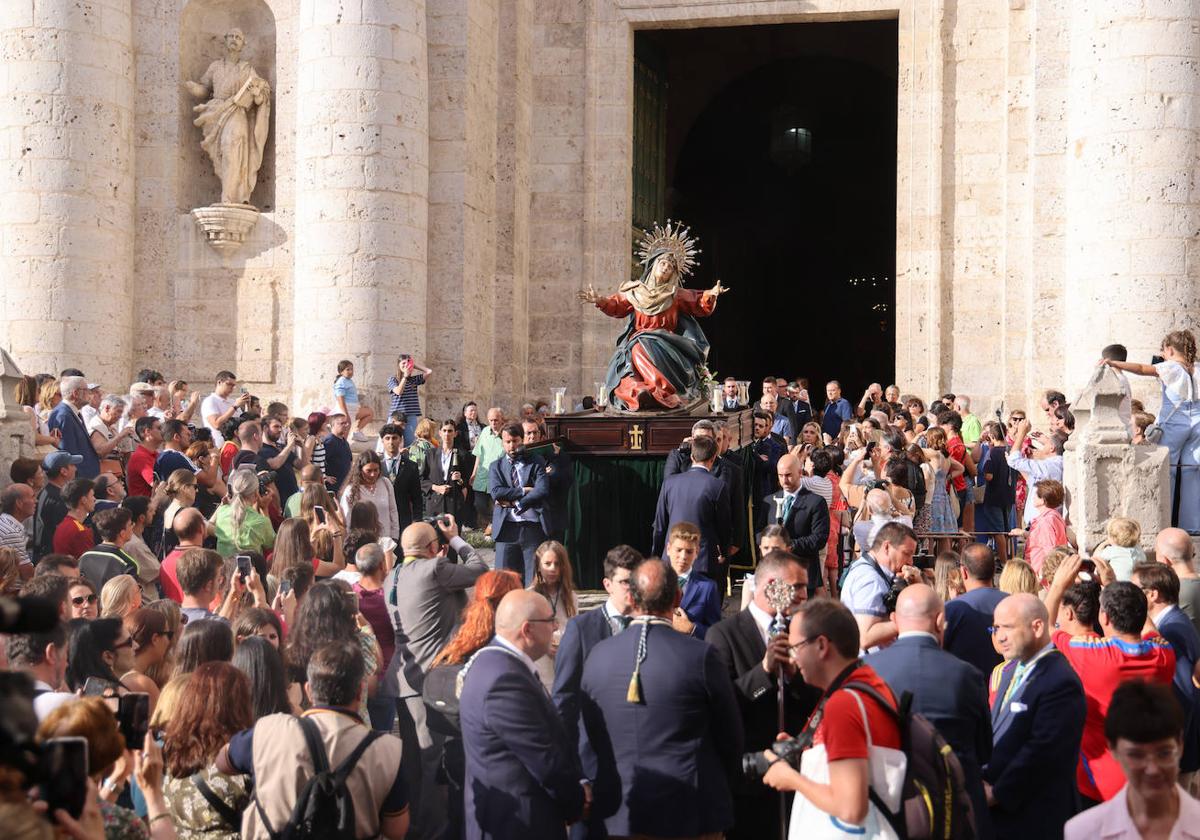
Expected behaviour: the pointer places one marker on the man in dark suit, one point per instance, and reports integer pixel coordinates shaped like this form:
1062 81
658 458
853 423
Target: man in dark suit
729 395
765 453
558 475
1161 585
803 513
699 601
699 497
661 717
522 775
802 410
1038 709
969 616
741 644
582 633
726 467
518 484
770 387
66 420
946 690
404 475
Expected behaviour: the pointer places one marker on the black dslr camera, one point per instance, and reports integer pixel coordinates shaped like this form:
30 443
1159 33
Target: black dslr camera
434 522
755 764
889 597
265 479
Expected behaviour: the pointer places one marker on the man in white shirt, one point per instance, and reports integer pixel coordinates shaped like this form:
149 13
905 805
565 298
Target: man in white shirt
17 504
1045 461
92 408
217 408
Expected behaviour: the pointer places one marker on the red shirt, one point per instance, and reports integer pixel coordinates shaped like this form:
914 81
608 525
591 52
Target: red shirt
958 451
73 537
167 580
1103 664
139 472
842 731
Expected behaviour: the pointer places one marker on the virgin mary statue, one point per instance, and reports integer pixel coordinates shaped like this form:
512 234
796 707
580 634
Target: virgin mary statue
660 356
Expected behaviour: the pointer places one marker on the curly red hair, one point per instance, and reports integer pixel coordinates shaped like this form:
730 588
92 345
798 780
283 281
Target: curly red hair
213 706
479 618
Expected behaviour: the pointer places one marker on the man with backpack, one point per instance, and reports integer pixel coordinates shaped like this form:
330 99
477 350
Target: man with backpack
324 775
890 774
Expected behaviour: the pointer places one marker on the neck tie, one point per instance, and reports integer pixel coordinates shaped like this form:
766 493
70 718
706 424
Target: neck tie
1014 684
787 506
619 623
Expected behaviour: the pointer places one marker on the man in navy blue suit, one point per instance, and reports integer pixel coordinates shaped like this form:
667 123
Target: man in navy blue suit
699 497
518 484
969 616
699 601
946 690
1038 709
66 419
582 633
661 717
1161 585
803 513
558 468
523 778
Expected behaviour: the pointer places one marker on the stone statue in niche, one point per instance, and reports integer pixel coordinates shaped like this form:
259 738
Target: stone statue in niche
234 120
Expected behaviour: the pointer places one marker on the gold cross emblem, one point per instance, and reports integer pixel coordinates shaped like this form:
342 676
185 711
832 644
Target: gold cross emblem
635 436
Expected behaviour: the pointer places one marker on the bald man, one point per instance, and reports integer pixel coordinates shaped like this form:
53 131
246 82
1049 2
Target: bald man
1038 710
187 530
425 595
1174 547
804 514
958 706
522 773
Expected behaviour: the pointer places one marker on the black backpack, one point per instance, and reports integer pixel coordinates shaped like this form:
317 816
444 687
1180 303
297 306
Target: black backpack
934 804
324 808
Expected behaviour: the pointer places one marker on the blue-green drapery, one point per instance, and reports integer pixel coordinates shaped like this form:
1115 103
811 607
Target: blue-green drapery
612 501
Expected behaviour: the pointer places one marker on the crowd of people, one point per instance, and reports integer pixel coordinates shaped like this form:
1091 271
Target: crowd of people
259 625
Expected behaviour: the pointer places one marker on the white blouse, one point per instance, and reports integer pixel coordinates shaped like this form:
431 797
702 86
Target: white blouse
1178 385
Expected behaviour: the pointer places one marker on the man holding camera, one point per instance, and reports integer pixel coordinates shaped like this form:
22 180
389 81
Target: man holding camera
852 731
873 580
425 596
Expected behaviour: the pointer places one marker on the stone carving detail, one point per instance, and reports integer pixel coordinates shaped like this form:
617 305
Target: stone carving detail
235 121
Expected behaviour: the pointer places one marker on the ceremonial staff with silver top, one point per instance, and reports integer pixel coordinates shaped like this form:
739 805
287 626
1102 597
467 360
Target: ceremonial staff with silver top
780 596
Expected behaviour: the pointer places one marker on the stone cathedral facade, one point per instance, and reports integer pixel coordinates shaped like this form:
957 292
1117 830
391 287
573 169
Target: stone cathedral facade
441 177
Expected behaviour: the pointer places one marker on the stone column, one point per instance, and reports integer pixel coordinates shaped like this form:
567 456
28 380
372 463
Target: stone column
67 187
362 183
1133 256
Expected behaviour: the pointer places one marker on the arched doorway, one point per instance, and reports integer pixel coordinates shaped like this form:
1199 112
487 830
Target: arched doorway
780 152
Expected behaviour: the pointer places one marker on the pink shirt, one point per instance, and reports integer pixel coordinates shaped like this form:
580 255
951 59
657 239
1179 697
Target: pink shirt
1046 531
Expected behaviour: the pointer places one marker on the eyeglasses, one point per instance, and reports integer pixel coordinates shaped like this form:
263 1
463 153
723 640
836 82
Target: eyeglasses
80 600
542 620
127 643
793 648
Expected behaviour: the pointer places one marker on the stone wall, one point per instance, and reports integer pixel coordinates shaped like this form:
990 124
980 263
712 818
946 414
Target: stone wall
443 176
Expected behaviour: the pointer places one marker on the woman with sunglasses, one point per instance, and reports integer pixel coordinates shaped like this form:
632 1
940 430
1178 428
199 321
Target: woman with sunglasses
85 603
148 630
98 649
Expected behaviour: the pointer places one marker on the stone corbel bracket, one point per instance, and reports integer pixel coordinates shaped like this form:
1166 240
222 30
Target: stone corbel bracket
226 226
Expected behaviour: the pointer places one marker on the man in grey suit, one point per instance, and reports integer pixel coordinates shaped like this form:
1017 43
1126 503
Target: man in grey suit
949 692
425 595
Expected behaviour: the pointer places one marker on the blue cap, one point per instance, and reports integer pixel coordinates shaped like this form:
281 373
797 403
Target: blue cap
58 459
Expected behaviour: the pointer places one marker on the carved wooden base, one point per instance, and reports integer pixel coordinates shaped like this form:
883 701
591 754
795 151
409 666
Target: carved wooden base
639 433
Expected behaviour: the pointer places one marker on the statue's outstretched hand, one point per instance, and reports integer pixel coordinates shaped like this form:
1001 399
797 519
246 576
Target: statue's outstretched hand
717 290
589 295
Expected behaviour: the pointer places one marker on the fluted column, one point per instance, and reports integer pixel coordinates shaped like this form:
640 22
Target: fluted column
1133 204
362 185
66 186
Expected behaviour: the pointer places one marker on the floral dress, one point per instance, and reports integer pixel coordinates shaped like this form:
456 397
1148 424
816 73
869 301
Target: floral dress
194 817
121 823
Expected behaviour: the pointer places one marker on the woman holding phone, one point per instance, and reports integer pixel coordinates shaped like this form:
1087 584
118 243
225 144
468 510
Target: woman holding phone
402 388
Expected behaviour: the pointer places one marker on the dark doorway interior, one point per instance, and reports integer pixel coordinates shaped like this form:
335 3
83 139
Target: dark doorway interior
778 147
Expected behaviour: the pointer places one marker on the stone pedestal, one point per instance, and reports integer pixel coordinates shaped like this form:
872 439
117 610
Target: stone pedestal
226 226
1108 476
16 435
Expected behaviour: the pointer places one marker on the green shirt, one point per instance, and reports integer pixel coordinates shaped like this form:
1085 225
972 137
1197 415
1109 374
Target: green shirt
972 429
488 447
256 533
291 508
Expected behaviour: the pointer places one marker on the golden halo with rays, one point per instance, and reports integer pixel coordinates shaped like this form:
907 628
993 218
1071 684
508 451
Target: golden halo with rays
676 239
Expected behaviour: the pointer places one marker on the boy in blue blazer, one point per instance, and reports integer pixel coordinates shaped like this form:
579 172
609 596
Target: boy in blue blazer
700 602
